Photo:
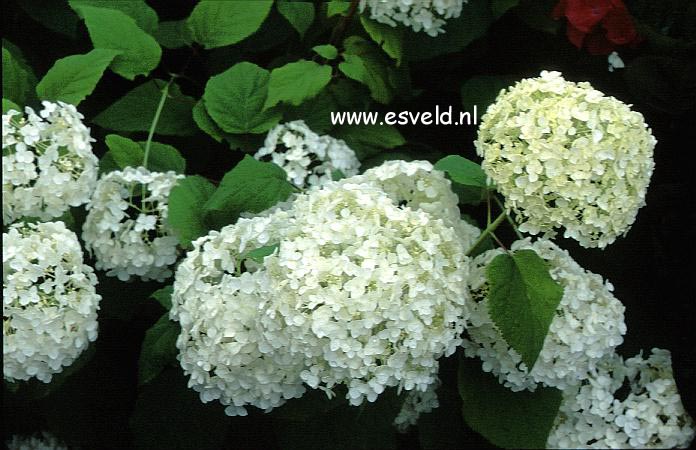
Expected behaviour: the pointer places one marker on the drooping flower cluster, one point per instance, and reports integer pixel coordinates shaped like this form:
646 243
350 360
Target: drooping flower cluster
126 228
49 300
426 15
360 291
307 158
589 324
42 441
595 414
565 155
47 162
415 404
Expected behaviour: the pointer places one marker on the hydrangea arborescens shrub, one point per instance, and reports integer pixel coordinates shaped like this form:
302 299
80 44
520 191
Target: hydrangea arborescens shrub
589 324
47 162
565 155
307 158
359 291
49 300
126 228
428 16
594 415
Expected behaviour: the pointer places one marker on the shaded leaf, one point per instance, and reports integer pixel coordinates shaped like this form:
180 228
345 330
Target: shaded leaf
159 349
17 79
164 297
162 157
136 110
185 208
299 14
145 17
390 39
482 90
507 419
364 63
173 34
326 51
368 140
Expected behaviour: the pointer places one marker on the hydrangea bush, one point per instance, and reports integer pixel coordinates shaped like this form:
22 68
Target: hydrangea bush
355 224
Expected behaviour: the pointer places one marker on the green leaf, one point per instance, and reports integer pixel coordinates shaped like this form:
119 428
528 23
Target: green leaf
17 79
114 30
299 14
537 15
337 7
251 186
164 296
216 23
8 105
472 24
73 78
296 82
315 112
168 414
107 164
326 51
500 7
507 419
365 63
390 39
206 123
469 180
173 34
158 350
482 90
162 157
258 254
235 99
185 210
462 171
138 10
368 140
135 111
522 301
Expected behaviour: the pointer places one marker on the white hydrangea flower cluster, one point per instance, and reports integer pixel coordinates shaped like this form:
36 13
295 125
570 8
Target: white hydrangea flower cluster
126 228
47 162
360 291
593 414
565 155
426 15
589 324
49 300
415 404
307 158
42 441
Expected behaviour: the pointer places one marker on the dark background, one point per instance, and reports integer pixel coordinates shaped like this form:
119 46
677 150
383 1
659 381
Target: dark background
652 268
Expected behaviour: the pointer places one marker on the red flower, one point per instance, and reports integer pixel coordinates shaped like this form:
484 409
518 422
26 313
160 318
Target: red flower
584 16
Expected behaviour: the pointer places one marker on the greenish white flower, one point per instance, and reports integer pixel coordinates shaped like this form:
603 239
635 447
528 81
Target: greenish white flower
565 155
47 162
421 15
588 325
651 415
365 289
126 228
49 300
42 441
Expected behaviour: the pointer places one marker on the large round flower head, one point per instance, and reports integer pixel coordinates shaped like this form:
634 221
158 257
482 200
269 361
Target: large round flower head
649 414
126 228
376 291
221 345
565 155
307 158
49 300
589 324
42 441
47 162
355 289
426 15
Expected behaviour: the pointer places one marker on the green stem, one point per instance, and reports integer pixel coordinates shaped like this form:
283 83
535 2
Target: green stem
153 125
489 229
510 221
